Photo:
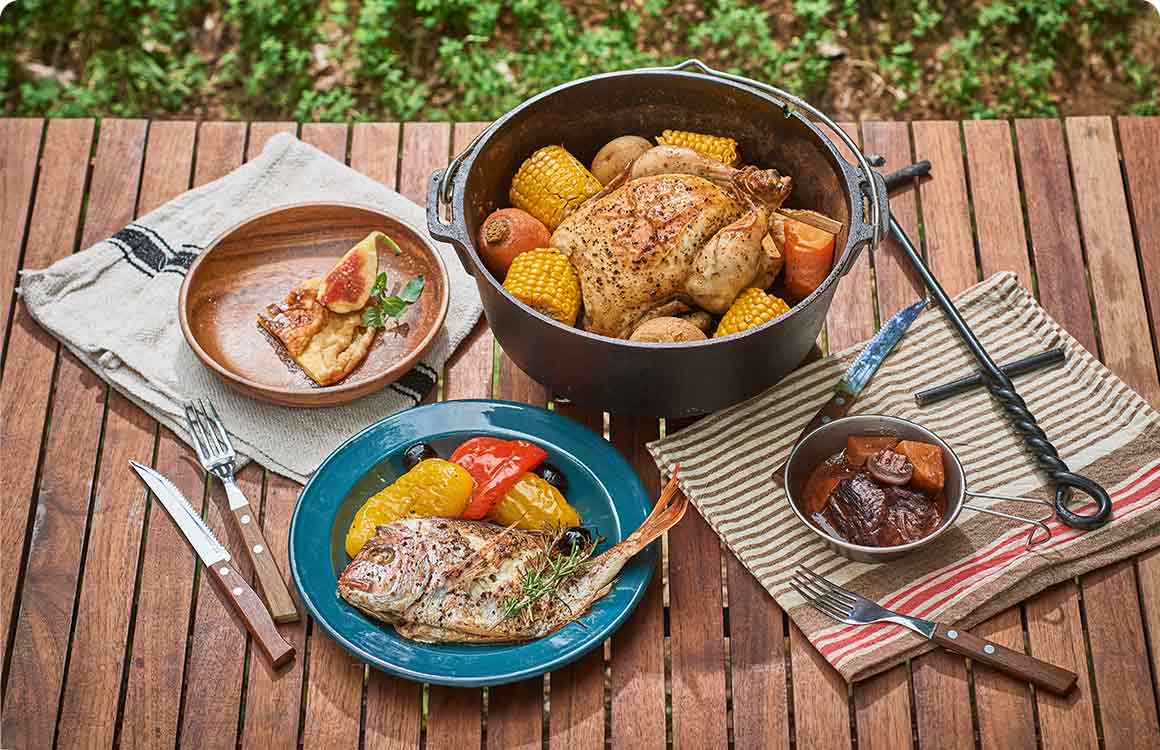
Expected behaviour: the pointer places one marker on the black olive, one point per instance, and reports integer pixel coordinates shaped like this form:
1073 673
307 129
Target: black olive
553 476
578 536
416 453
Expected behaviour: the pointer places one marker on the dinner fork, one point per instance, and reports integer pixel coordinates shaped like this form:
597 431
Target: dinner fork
216 454
845 606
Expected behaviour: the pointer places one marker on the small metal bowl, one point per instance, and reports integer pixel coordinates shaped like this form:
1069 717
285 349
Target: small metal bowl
831 438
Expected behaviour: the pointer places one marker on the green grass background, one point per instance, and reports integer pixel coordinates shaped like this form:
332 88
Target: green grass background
475 59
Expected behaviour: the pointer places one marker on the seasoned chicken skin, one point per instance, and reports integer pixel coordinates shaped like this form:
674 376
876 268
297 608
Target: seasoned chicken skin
674 229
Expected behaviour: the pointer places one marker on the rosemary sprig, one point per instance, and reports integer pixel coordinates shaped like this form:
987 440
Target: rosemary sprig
545 579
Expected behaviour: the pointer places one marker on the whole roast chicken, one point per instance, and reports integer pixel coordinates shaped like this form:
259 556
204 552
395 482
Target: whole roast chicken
676 229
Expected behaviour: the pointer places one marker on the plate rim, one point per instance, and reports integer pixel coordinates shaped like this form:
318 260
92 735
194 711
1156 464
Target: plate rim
597 636
322 395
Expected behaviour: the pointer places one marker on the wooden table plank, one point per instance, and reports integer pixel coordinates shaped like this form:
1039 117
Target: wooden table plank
1055 243
638 647
941 687
997 210
696 630
757 647
156 704
55 554
19 149
261 132
1054 623
1111 255
272 697
217 645
898 285
1118 649
946 213
269 694
334 689
1055 634
1140 141
374 150
394 705
168 165
1004 708
88 717
854 300
881 703
820 701
52 234
454 715
1119 657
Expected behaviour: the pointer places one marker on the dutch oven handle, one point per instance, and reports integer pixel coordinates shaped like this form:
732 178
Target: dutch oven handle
451 232
441 195
869 233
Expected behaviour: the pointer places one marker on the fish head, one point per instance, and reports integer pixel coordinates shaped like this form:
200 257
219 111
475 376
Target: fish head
390 573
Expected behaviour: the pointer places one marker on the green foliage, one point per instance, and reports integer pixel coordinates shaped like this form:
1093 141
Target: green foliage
475 59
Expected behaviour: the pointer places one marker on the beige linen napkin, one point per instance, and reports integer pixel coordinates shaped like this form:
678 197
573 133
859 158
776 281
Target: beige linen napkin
114 306
982 566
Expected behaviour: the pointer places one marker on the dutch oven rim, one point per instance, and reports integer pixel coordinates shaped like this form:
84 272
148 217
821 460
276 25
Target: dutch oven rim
459 236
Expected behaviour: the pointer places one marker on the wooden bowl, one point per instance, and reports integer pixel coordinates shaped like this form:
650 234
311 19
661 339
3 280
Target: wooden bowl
256 263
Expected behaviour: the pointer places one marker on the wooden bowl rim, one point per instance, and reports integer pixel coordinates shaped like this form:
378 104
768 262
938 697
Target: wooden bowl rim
325 393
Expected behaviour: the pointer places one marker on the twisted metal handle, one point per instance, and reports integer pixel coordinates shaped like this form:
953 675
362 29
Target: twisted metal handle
1046 455
1014 406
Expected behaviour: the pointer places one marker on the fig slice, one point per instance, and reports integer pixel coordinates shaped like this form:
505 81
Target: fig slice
347 286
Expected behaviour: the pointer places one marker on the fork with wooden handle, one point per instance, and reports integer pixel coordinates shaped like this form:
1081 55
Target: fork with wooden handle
834 601
216 453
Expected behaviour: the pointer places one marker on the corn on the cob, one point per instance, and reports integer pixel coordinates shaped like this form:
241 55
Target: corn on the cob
752 308
545 280
549 183
718 147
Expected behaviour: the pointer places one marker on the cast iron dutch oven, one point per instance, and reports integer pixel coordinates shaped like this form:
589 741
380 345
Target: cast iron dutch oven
669 380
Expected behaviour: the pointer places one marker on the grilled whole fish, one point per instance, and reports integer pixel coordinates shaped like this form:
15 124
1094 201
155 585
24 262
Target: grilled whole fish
442 580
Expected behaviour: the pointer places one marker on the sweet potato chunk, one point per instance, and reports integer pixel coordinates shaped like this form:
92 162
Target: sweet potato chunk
928 465
859 448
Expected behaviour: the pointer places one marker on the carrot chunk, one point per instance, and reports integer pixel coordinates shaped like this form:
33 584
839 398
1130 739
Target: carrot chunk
859 448
809 253
928 465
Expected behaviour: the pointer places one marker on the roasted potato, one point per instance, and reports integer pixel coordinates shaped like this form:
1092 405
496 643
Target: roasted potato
617 154
666 330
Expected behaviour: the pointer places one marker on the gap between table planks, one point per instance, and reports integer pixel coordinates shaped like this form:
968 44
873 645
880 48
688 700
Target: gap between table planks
219 139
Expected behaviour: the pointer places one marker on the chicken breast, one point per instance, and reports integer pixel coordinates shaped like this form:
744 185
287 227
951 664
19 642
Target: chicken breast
673 231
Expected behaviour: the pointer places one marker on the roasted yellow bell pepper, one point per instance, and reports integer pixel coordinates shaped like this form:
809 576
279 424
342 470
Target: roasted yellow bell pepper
532 503
434 487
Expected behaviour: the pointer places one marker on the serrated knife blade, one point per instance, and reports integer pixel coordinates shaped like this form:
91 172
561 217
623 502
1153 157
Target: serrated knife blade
188 520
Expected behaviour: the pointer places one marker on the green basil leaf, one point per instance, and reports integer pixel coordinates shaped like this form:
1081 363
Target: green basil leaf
380 285
372 317
393 306
412 290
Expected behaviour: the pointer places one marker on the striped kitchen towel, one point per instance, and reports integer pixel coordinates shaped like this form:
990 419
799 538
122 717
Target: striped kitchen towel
1101 427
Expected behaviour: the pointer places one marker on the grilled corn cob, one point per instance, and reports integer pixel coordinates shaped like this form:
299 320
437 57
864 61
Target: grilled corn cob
545 280
752 308
720 148
549 183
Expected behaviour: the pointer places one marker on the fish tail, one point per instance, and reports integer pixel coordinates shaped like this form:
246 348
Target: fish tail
670 509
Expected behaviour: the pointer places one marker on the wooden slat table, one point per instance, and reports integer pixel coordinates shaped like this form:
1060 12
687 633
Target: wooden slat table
112 637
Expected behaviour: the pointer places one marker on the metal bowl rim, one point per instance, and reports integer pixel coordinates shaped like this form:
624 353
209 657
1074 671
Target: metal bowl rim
954 505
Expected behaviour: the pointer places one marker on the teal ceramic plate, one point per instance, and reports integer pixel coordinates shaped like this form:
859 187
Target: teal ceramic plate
602 487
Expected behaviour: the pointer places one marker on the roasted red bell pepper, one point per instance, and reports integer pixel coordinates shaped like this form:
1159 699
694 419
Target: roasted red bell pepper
495 465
